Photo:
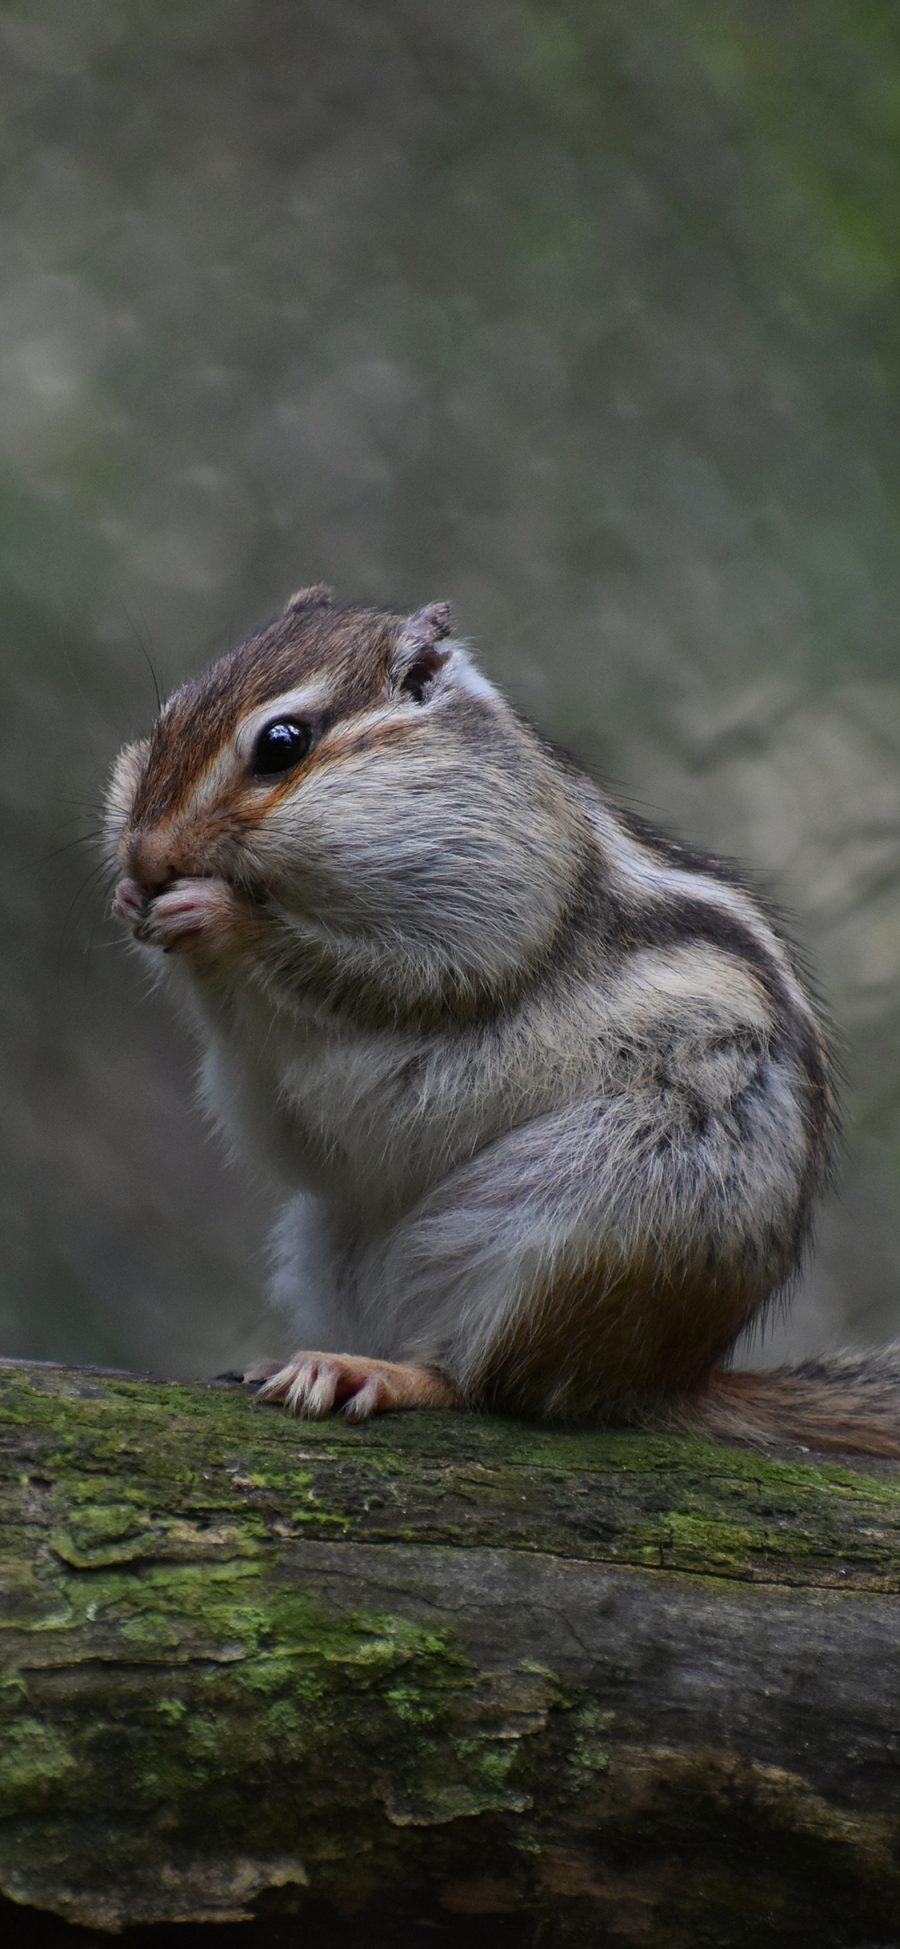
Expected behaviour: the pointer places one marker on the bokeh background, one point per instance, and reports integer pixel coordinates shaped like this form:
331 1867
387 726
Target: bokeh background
585 317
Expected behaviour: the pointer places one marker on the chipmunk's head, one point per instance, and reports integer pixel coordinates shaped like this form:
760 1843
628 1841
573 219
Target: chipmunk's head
353 767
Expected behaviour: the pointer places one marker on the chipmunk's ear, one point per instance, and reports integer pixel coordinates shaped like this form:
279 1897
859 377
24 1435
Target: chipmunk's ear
318 596
419 654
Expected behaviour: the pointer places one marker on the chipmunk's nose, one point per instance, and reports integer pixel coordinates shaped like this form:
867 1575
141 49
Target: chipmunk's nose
154 862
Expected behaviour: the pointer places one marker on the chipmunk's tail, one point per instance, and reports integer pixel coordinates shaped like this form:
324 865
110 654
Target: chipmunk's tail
846 1401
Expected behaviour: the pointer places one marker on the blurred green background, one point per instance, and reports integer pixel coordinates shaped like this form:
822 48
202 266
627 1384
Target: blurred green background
586 318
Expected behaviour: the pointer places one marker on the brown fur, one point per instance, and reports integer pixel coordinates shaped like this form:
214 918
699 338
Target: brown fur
678 999
845 1403
610 1342
353 646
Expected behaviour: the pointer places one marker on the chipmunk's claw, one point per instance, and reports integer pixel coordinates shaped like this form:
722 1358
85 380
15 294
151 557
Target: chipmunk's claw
312 1385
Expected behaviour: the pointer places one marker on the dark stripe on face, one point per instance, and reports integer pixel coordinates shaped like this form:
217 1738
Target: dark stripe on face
351 648
334 747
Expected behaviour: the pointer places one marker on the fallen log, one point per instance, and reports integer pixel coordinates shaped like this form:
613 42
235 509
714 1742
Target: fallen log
442 1679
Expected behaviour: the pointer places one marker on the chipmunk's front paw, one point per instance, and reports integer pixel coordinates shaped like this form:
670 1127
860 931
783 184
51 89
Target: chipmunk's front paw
192 914
130 903
316 1384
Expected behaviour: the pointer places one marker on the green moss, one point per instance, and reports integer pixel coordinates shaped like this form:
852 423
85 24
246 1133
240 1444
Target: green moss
664 1502
267 1674
316 1518
33 1760
203 1736
589 1733
711 1544
283 1722
190 1635
492 1761
407 1702
172 1710
280 1673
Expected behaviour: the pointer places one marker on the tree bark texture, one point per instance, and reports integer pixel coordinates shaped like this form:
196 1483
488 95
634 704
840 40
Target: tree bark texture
442 1678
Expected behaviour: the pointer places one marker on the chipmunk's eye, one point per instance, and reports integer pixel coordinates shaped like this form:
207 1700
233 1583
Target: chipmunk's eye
280 747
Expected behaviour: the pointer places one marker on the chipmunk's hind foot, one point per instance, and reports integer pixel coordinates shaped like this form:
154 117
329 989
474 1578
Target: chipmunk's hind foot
312 1385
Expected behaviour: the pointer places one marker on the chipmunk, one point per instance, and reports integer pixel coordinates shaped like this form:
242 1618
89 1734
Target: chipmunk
546 1091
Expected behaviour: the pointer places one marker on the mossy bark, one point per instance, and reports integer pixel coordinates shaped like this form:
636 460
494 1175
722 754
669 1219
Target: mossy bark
442 1672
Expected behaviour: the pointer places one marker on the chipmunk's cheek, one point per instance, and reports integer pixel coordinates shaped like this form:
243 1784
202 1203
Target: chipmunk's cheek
194 914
